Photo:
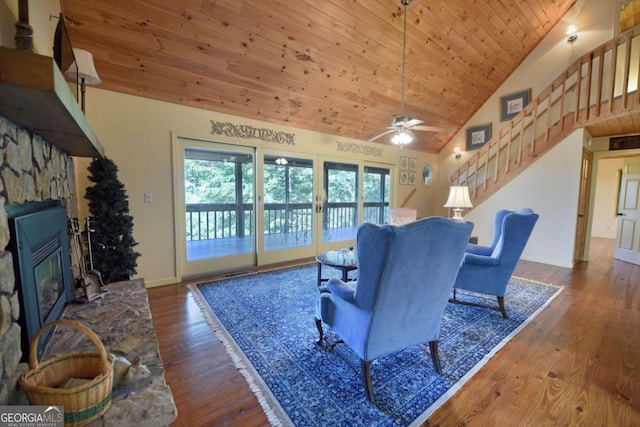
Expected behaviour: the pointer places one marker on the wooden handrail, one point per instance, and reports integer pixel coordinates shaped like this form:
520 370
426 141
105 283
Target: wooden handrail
599 85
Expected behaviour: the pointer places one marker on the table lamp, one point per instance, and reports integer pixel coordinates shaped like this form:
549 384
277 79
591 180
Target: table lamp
458 199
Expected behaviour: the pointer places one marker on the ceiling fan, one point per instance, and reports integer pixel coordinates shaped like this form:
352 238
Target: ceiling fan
402 125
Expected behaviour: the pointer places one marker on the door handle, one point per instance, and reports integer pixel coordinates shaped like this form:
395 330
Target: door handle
621 214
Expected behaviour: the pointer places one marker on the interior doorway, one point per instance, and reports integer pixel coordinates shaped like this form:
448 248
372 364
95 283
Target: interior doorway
603 221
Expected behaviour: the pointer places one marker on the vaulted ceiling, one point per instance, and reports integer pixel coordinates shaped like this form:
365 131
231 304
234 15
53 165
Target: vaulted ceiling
333 66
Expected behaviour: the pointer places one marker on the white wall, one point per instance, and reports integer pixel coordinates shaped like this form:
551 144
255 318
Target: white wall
550 187
604 218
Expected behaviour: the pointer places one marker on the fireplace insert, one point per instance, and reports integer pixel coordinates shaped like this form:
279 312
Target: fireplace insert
41 262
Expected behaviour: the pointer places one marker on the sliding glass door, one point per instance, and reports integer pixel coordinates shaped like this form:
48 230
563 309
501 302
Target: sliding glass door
286 206
238 207
377 193
216 208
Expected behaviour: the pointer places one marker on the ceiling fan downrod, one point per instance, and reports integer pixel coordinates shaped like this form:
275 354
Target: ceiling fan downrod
405 3
402 136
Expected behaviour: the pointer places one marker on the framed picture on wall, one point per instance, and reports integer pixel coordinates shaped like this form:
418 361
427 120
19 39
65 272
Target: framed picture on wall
512 104
412 164
404 163
477 136
411 178
404 178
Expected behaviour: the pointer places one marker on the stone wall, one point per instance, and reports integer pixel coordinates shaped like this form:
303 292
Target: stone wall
31 170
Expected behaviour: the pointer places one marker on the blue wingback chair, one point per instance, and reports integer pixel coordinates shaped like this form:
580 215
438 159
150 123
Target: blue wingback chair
405 277
487 270
497 232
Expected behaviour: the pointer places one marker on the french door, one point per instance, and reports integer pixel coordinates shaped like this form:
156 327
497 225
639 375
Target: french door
351 193
238 206
308 205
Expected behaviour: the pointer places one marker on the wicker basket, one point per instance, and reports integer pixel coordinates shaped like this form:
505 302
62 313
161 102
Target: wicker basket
83 403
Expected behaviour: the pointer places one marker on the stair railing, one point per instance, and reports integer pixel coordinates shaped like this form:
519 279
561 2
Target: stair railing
600 85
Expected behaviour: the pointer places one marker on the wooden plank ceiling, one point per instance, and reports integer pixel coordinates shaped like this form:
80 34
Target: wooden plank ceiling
333 66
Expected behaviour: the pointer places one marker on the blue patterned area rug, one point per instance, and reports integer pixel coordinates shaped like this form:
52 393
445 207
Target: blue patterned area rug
266 321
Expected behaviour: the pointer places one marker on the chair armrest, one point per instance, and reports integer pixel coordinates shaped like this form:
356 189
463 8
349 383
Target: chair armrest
478 250
479 260
341 289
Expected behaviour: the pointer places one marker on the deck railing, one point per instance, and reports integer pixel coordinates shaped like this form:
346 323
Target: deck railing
600 85
207 221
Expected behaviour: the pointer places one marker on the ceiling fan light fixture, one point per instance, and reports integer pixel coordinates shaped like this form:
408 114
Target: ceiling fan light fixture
402 138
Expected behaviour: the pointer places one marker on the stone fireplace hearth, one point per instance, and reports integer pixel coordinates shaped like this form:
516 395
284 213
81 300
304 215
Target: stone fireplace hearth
31 170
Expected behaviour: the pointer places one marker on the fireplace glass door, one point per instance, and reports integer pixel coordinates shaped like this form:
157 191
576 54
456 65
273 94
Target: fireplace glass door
40 246
50 282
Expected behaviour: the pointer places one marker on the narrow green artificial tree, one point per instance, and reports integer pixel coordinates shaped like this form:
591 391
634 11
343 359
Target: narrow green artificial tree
112 242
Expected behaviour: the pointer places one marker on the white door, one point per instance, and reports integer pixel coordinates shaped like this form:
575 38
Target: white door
628 233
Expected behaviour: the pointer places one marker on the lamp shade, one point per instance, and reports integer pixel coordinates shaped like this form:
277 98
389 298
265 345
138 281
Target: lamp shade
83 68
458 197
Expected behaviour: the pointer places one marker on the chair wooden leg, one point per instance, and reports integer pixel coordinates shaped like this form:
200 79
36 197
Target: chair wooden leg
320 341
435 357
366 379
502 308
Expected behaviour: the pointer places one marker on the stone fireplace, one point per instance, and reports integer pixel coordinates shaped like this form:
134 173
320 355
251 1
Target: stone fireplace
31 170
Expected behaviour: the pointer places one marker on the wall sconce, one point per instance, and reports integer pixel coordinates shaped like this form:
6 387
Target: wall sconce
83 70
572 34
458 199
457 152
281 161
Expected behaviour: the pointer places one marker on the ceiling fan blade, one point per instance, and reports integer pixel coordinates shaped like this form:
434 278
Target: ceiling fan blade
381 135
372 129
412 123
432 129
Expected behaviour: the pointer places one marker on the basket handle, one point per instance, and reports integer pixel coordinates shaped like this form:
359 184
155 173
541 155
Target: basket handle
33 351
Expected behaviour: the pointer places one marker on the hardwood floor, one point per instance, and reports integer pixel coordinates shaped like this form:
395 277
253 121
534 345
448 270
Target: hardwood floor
577 363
